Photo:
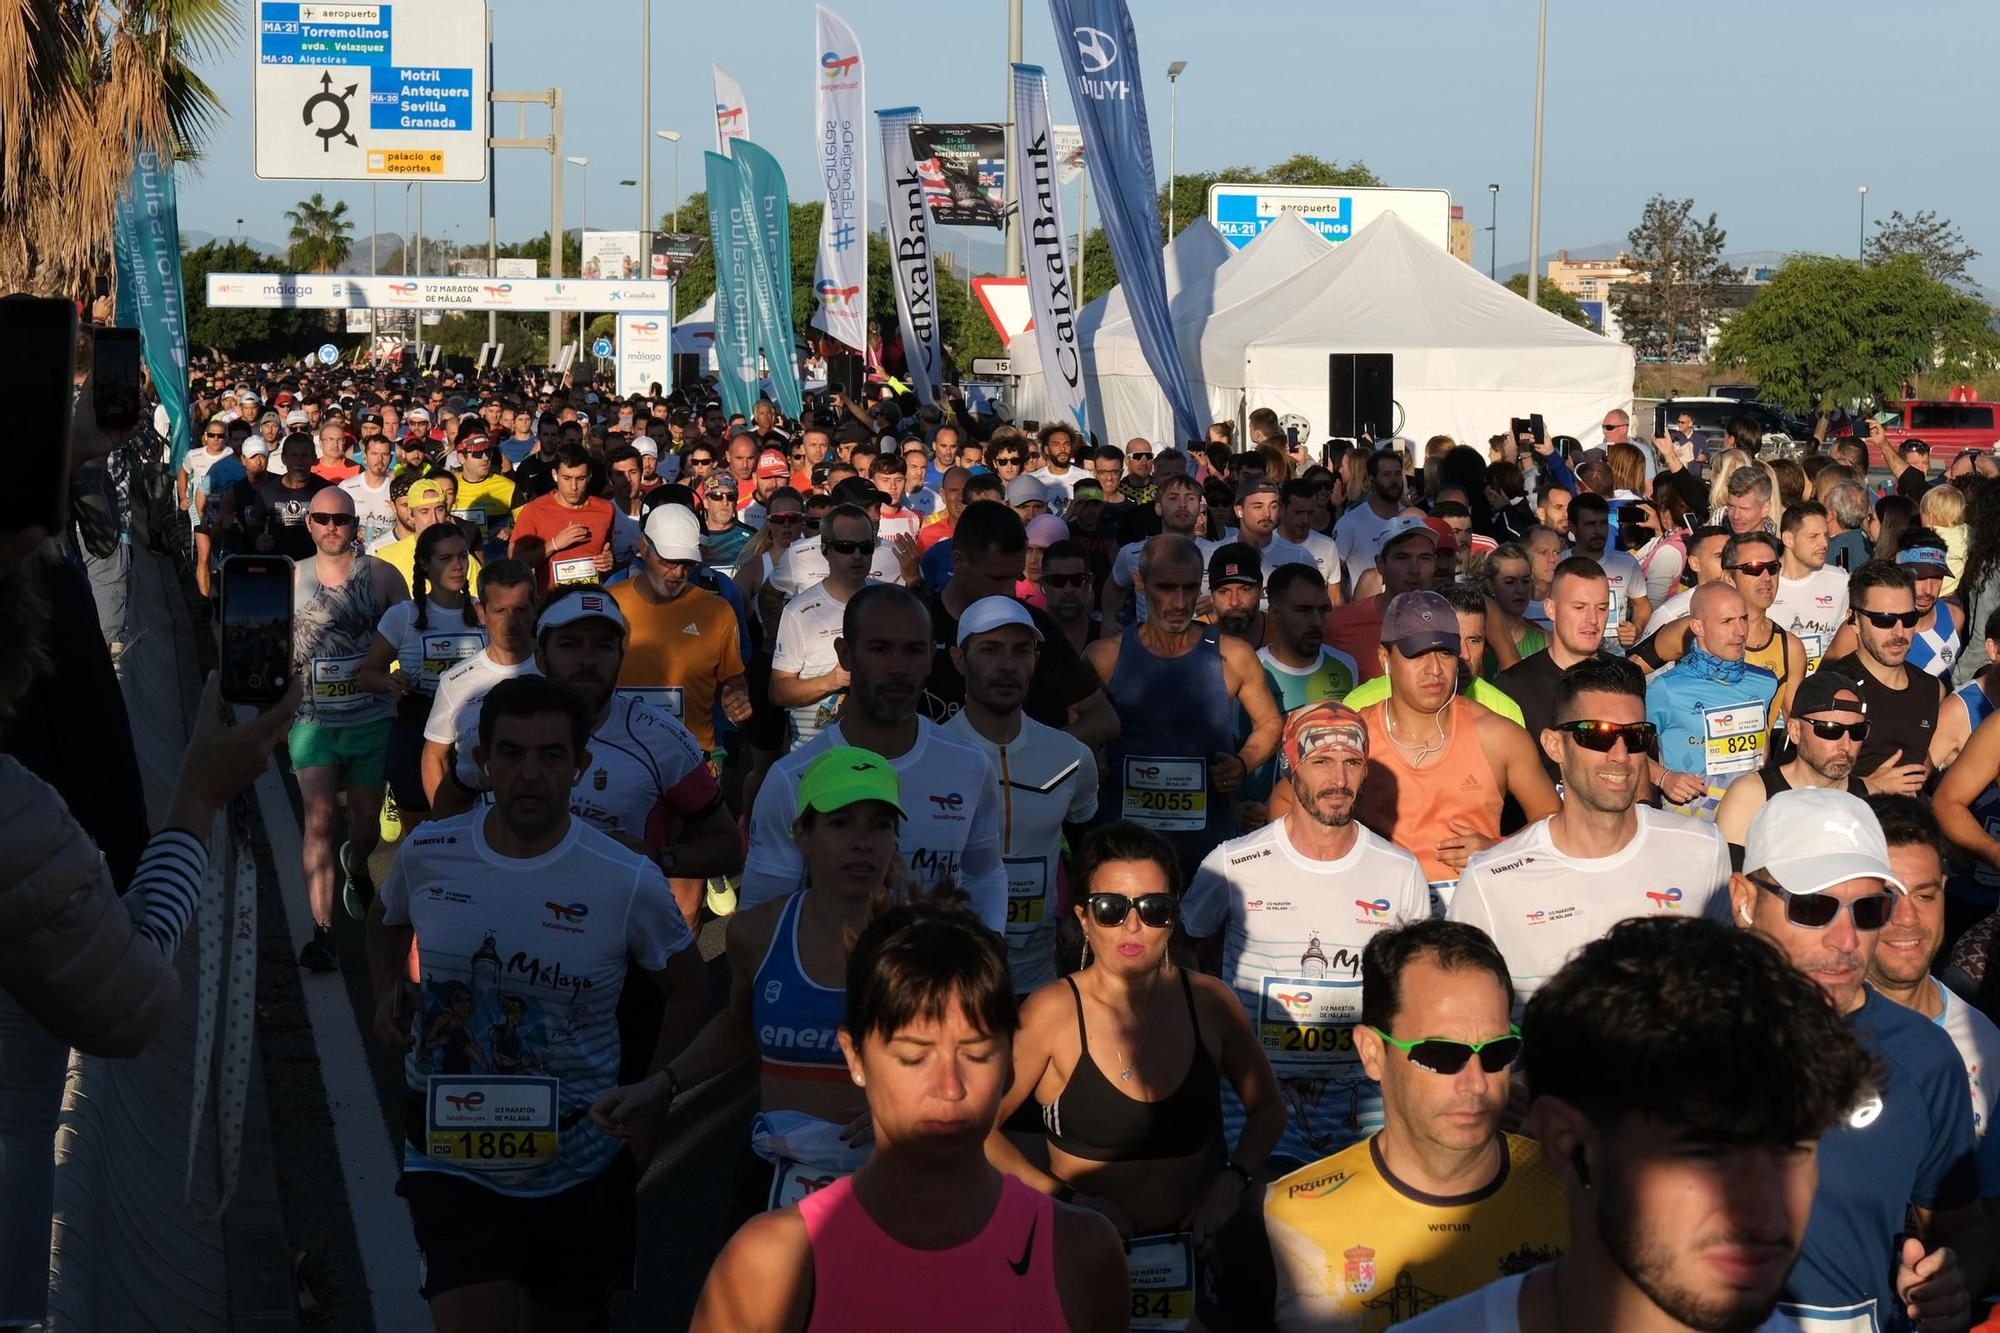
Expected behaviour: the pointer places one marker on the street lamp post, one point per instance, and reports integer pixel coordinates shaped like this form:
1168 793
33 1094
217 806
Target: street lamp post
1173 116
674 137
583 193
1861 247
645 143
1535 187
1493 232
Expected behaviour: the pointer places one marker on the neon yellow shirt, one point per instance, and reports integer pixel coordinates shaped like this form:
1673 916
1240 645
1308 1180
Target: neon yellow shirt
1491 696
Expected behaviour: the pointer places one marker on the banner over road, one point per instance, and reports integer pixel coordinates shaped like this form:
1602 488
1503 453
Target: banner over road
326 291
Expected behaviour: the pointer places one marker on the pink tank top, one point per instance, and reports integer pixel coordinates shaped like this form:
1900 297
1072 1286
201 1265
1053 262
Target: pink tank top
1002 1280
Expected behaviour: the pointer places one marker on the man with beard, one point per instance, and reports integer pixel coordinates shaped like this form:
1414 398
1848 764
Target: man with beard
1300 501
1826 727
1285 912
1406 557
1056 474
1178 505
1817 886
1444 1198
1358 534
1469 605
1258 509
1902 703
1564 880
1235 590
1812 599
1298 666
1071 597
1686 1209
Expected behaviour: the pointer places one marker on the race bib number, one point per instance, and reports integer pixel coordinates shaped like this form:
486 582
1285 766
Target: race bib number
333 686
1614 615
666 698
1441 891
1832 1319
1733 738
1815 645
493 1123
1307 1023
476 517
442 652
576 569
1162 1269
1027 894
794 1180
1168 795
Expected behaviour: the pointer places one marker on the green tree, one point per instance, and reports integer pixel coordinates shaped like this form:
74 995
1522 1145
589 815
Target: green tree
1677 260
241 333
1550 298
1936 241
1829 331
321 236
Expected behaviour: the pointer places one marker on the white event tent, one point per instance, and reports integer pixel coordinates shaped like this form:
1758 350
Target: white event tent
696 333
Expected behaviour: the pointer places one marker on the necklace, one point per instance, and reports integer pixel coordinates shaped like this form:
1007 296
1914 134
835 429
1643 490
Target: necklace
1418 752
1145 1030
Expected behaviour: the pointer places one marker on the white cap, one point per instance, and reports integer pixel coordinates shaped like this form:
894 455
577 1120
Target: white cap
297 417
1401 526
588 604
256 448
647 446
674 532
990 613
1809 839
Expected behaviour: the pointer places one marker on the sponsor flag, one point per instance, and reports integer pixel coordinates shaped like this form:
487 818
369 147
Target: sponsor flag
910 251
965 172
1101 55
840 278
768 211
147 241
1045 253
735 297
1069 152
732 116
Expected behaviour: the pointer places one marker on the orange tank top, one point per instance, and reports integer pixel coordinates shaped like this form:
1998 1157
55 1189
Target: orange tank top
1413 807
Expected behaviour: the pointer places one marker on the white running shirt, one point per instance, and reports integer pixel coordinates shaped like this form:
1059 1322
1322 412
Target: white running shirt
1293 930
804 564
1978 1042
428 653
464 687
1357 534
1813 608
807 628
1540 906
1325 556
372 507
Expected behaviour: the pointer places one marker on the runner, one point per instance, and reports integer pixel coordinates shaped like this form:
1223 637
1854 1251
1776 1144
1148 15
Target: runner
928 999
507 611
1236 592
1173 768
1056 474
1406 560
516 1197
1825 730
1177 504
1966 755
1438 1200
1902 703
1468 606
1142 1148
723 533
1300 500
1358 535
1282 915
1685 1212
1812 599
373 507
427 505
1507 583
1565 880
1711 708
1625 624
804 563
1938 639
485 499
1048 779
188 493
1258 506
565 536
333 465
341 734
1750 564
948 785
1069 594
807 676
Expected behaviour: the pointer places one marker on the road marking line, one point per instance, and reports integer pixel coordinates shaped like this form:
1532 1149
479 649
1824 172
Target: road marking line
368 1160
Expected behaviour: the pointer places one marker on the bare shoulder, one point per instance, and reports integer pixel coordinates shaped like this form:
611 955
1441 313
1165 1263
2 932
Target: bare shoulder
1047 1006
1102 654
749 931
1088 1253
763 1280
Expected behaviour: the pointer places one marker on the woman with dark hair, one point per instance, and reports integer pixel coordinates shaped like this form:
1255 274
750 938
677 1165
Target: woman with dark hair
1463 466
1126 1057
1979 578
1893 513
927 1233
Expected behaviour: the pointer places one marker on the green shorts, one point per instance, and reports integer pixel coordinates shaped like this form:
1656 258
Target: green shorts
359 750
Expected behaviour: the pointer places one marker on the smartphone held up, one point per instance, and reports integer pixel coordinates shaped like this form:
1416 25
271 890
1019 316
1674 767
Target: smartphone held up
256 628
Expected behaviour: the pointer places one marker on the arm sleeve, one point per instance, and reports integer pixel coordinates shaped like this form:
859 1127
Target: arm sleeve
774 866
985 873
1557 470
655 930
166 886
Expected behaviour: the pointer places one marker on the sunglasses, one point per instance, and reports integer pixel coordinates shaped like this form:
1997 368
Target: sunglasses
1066 580
1833 731
1757 569
212 435
1601 736
1111 909
1138 455
330 520
846 548
1817 911
1440 1056
785 520
1614 425
475 453
701 462
1885 619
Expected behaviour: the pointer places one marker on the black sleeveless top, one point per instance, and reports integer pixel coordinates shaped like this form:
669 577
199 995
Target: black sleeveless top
1093 1120
1774 782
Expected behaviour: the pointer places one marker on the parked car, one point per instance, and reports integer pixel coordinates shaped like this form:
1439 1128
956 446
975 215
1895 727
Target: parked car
1958 422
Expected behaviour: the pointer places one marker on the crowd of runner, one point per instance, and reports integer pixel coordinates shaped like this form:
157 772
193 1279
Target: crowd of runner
1218 855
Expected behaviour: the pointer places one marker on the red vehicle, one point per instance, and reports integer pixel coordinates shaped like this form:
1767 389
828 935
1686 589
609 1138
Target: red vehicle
1959 422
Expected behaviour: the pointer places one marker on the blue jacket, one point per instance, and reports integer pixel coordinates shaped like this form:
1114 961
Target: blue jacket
1713 715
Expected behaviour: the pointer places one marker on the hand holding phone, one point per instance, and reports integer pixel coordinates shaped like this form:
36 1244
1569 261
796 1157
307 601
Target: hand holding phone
38 347
256 628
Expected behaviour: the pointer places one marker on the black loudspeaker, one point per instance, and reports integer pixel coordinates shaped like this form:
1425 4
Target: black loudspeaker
1363 387
845 372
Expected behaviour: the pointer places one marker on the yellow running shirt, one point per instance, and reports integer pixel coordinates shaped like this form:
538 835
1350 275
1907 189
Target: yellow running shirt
1356 1249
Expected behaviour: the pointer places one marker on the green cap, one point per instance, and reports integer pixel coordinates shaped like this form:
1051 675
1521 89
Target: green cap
846 774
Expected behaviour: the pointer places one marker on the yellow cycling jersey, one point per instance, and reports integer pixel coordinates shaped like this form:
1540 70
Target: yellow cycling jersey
1356 1249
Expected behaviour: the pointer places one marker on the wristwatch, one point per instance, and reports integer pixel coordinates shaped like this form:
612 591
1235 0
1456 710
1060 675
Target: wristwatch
1240 1171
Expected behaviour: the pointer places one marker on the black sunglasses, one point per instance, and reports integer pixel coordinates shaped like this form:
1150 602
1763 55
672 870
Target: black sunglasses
846 548
1817 911
1066 580
1601 736
1832 731
1111 909
1138 454
331 520
1442 1056
1885 619
1757 569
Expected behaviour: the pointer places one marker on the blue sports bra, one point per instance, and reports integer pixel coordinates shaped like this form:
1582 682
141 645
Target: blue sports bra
797 1019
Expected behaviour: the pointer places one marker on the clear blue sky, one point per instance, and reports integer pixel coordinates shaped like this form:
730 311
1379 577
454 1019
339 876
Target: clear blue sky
1770 113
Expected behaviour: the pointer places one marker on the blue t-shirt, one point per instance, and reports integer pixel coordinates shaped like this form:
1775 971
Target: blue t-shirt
935 567
1910 1141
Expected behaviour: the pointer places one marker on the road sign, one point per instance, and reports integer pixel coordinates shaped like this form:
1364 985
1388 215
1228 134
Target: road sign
370 92
992 365
328 354
601 348
1336 212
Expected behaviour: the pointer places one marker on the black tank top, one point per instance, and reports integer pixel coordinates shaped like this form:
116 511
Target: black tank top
1774 782
1093 1120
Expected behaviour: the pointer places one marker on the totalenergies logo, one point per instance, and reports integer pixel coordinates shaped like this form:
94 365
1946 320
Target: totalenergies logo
497 288
467 1101
832 295
948 803
1372 909
570 913
1665 899
728 116
1293 999
403 288
644 326
837 66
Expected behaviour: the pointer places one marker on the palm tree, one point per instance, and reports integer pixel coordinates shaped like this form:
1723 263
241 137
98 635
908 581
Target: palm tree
85 85
321 236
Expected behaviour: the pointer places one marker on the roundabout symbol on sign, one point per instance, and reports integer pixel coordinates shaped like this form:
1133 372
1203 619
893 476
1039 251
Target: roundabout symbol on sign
338 101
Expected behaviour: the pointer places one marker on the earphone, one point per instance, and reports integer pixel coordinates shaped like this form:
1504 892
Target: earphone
1744 912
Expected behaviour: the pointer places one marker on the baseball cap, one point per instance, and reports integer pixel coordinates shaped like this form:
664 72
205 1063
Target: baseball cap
1045 530
1024 489
855 491
990 613
722 483
675 533
270 414
845 775
295 417
1087 490
1809 839
416 412
1237 562
255 448
1420 622
773 464
474 441
425 492
647 447
371 416
587 602
1447 540
1401 526
1821 693
1328 725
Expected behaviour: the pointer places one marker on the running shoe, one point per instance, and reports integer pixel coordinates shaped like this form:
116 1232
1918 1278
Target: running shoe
357 889
317 955
720 894
391 820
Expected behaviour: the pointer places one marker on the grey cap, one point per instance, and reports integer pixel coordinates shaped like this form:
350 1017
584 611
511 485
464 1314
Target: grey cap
1024 489
1416 623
